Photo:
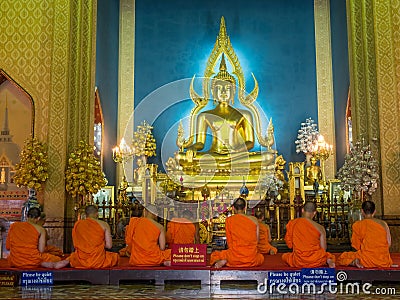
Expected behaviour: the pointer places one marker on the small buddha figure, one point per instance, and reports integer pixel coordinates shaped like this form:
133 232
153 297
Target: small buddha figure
313 173
231 130
139 172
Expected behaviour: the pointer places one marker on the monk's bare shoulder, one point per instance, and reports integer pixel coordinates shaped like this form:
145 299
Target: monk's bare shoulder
381 222
102 224
319 227
39 228
252 218
159 226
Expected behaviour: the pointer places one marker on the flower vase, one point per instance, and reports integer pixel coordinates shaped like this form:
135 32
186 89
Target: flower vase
29 203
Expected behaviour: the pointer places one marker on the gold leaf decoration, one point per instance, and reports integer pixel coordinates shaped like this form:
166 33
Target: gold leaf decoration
32 171
83 175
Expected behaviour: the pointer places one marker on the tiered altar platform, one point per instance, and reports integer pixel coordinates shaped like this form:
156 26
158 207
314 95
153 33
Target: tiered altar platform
208 277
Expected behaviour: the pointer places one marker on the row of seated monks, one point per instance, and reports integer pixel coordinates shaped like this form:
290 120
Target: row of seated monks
248 240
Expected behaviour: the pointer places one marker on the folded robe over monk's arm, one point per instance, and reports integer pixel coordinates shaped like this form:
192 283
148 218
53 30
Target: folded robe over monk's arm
304 238
180 231
371 240
145 247
264 245
22 241
241 237
89 242
129 230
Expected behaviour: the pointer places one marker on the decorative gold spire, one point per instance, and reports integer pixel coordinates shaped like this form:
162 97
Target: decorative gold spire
223 74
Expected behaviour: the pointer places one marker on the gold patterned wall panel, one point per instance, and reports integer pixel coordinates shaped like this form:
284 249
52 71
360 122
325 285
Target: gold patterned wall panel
126 77
388 79
323 49
43 48
82 68
374 53
25 51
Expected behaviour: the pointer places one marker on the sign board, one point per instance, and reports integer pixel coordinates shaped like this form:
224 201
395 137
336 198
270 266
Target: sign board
8 280
36 278
316 276
189 255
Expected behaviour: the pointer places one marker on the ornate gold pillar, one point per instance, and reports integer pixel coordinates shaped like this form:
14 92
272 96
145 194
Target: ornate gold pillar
323 50
126 78
374 51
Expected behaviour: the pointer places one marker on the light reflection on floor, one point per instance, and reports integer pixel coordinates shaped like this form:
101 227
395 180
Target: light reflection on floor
149 291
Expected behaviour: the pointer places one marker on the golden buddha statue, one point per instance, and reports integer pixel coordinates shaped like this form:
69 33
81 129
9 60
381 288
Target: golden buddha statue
313 173
233 131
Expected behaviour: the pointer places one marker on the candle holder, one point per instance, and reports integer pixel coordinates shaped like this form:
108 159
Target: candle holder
123 153
321 151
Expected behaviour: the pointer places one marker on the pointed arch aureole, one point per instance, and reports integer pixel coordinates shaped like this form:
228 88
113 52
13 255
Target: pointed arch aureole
223 48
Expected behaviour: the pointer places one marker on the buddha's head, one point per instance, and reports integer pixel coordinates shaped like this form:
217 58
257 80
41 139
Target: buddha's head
223 85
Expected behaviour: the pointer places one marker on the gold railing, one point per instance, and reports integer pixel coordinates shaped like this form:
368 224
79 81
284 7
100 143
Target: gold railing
332 215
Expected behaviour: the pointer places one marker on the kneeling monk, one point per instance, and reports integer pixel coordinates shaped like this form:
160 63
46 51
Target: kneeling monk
242 239
182 230
308 240
27 242
264 238
371 239
90 237
148 241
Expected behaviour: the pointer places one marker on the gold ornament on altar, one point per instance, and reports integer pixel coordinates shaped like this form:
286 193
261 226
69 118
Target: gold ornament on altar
234 131
31 171
321 151
83 176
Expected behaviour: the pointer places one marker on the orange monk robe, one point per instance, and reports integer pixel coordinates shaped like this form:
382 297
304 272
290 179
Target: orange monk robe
241 237
22 241
129 230
263 245
180 231
145 248
88 238
53 250
370 240
304 238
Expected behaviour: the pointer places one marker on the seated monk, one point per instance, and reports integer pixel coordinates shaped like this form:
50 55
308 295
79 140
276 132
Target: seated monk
129 229
27 241
90 237
308 241
371 239
183 230
148 241
242 239
49 248
264 239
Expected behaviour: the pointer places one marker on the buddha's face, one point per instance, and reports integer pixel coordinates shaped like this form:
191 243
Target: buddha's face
223 91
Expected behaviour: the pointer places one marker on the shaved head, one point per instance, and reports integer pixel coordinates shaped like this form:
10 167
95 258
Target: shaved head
259 214
91 210
309 207
239 204
368 207
34 213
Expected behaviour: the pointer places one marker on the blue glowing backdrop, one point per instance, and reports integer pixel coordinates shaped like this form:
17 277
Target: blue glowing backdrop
274 39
